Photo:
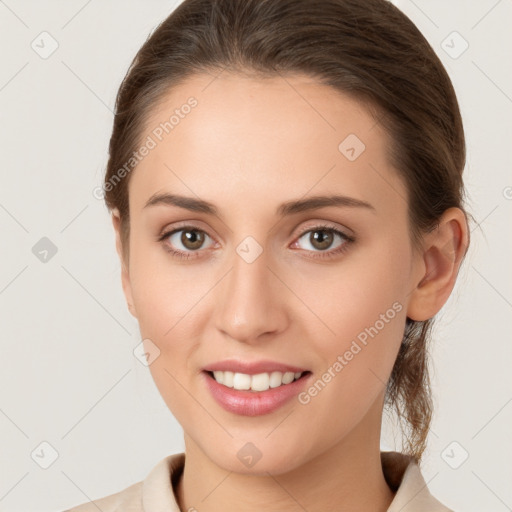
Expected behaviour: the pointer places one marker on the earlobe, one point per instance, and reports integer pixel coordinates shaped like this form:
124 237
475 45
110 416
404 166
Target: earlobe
443 252
125 275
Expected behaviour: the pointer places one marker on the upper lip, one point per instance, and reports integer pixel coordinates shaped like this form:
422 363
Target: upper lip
252 367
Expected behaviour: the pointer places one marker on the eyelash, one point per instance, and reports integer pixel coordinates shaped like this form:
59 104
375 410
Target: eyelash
322 254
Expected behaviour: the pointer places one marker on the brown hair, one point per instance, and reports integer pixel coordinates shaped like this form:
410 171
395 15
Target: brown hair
365 48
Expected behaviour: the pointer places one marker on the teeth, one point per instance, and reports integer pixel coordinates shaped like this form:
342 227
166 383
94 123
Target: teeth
259 382
275 379
241 381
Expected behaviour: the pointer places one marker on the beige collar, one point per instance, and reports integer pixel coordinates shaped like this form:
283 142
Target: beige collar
402 474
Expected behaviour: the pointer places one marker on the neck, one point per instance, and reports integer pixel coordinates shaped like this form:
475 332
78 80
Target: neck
347 476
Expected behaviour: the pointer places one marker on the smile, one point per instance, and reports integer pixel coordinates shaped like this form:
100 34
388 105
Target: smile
259 382
257 394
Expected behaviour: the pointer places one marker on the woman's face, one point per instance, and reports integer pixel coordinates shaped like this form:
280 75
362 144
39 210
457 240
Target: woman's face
320 288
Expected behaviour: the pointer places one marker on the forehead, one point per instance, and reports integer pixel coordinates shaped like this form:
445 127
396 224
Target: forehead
282 135
283 107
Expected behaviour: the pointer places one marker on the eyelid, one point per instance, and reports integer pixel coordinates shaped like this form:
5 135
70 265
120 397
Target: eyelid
319 224
176 226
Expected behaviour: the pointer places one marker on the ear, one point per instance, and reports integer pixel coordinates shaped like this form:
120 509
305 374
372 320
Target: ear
125 275
441 257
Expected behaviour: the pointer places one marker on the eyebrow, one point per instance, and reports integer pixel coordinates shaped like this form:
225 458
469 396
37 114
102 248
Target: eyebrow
287 208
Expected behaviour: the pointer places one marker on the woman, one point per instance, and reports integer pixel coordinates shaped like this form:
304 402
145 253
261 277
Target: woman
285 182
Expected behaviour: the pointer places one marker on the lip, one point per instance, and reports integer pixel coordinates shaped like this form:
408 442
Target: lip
254 403
252 367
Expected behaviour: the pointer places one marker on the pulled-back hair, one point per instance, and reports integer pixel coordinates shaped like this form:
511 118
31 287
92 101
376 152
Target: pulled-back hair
367 49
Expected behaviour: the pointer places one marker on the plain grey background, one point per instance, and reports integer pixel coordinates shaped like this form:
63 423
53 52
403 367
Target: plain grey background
73 397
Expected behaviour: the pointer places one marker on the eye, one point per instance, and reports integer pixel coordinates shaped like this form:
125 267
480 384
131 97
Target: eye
183 241
321 238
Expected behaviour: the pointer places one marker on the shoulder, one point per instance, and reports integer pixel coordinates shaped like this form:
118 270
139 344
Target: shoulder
411 491
127 500
155 490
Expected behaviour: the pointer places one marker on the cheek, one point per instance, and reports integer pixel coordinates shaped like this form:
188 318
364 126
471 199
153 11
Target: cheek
164 298
163 292
170 301
347 298
354 295
363 306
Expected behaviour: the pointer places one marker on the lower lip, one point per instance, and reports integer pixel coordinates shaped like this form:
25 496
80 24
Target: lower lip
254 403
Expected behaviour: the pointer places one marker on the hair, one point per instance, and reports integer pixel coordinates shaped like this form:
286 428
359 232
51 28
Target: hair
367 49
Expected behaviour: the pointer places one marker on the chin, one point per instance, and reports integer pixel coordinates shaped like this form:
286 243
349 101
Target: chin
258 459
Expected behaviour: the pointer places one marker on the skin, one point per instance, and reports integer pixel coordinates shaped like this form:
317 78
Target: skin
248 146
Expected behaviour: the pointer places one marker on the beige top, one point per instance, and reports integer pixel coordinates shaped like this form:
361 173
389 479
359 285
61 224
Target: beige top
155 494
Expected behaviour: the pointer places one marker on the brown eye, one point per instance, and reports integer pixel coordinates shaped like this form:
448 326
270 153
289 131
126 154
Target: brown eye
192 239
186 239
321 239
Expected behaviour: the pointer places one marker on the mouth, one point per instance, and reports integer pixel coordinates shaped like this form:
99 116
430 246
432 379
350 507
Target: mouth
254 388
256 383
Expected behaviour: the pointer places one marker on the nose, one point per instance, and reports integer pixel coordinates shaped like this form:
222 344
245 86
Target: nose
251 300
